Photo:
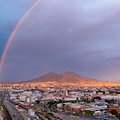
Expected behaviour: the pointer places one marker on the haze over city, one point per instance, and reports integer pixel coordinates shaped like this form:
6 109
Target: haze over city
58 36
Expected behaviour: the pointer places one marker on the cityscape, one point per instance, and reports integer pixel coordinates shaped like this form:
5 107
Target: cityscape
27 102
60 60
49 98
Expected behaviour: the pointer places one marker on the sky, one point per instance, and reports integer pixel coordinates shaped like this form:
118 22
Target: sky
61 35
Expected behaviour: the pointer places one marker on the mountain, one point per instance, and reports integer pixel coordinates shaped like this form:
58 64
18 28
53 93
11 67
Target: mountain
69 79
75 78
48 77
65 77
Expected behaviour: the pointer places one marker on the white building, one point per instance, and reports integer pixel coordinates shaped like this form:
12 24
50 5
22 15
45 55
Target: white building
31 113
26 93
110 97
23 97
33 99
70 99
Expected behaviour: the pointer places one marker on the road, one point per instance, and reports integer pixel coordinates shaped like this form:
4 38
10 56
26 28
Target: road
24 114
41 115
12 110
6 113
52 116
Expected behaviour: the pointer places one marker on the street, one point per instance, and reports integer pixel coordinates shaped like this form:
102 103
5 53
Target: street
12 110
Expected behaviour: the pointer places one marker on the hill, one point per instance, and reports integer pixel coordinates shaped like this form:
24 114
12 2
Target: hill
69 79
48 77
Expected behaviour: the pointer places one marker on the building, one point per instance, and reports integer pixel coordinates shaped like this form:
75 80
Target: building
65 93
26 105
113 107
97 110
23 97
31 113
26 93
70 99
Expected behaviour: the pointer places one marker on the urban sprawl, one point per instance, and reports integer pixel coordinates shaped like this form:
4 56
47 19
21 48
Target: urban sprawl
59 103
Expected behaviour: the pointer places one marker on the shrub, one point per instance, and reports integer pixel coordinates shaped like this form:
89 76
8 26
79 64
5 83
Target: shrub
88 112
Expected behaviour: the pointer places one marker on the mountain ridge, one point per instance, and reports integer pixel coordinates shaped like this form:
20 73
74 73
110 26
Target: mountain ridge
70 78
51 76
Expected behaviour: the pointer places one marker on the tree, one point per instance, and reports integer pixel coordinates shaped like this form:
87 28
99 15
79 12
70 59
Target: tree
37 101
110 101
114 112
60 101
63 100
99 98
51 103
88 112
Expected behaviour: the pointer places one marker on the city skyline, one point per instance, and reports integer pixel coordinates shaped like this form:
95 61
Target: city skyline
58 36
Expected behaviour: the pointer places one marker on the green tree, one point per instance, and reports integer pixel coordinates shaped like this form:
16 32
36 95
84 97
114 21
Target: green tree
99 98
51 103
114 112
60 101
63 100
110 101
37 101
88 112
77 98
68 92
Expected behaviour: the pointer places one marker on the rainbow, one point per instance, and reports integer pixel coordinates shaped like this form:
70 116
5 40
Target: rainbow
14 31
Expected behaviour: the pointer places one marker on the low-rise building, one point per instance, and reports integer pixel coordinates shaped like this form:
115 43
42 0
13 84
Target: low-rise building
113 107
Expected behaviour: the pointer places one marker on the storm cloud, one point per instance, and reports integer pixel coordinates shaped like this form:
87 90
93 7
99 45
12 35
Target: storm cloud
66 35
